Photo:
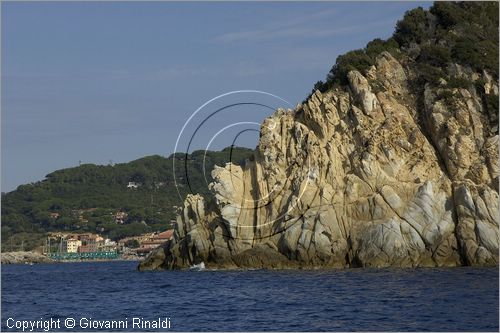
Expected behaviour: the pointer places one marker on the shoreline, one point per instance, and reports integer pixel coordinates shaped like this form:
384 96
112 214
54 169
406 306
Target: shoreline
32 258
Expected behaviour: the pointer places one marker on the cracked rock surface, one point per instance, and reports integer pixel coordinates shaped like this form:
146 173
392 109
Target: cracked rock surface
354 177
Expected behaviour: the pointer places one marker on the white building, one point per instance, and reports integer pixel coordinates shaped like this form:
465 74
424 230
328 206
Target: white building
72 245
133 185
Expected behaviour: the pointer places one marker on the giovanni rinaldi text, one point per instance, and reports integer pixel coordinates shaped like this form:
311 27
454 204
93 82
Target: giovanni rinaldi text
49 324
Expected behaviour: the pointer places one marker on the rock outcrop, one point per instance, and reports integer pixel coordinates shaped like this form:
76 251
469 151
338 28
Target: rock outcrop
355 177
24 257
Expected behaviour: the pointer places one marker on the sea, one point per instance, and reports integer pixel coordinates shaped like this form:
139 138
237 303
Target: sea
95 294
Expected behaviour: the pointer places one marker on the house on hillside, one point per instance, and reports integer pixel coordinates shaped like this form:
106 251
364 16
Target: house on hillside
120 217
155 240
133 185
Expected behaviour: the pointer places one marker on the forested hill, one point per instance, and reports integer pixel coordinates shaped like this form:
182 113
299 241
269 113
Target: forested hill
428 42
87 198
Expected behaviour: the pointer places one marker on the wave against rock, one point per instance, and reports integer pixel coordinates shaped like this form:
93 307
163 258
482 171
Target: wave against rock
354 177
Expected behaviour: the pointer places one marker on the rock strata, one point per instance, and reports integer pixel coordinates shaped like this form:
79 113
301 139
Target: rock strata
354 177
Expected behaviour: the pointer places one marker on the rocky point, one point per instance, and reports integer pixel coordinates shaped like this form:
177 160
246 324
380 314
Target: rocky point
355 177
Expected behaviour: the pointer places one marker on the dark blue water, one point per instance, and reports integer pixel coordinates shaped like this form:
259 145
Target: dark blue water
348 300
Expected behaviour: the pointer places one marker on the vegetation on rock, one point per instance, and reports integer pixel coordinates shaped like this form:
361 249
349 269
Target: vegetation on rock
392 161
465 33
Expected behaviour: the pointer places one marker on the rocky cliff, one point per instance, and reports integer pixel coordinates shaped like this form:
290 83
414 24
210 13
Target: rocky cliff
374 173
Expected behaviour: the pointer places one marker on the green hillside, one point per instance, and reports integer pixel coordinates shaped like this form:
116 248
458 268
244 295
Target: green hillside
86 198
428 42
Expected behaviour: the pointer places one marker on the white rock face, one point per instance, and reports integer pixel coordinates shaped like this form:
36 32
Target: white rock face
362 90
353 180
477 208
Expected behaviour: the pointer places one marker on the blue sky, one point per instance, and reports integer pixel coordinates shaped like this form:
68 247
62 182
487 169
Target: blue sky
102 81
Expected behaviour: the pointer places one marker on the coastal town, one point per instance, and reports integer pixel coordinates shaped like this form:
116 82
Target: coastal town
89 246
84 245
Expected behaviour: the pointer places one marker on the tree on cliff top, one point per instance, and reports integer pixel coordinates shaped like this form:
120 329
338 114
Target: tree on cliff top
449 32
